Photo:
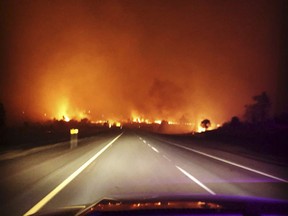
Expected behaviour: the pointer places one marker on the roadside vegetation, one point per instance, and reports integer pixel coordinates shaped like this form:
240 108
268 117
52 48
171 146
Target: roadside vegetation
257 130
31 134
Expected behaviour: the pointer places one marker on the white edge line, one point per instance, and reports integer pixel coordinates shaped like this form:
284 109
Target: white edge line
196 180
229 162
56 190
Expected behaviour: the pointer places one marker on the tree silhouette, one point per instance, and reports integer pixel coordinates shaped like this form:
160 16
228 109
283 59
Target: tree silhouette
258 111
2 116
205 124
183 119
163 126
2 125
235 121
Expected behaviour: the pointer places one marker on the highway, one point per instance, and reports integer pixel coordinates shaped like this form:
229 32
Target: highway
135 164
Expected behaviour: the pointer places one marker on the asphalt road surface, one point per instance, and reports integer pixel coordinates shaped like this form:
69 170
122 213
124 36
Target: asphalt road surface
131 163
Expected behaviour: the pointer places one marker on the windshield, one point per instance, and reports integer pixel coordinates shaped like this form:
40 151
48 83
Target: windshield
142 99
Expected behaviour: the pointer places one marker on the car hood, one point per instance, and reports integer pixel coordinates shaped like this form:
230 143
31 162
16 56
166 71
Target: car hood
196 204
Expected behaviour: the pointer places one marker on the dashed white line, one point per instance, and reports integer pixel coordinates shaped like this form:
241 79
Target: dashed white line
184 172
196 180
166 158
53 193
156 150
229 162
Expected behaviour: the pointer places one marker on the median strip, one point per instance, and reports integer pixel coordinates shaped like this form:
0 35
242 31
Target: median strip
53 193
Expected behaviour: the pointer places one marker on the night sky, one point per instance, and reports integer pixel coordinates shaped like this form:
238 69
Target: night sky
155 59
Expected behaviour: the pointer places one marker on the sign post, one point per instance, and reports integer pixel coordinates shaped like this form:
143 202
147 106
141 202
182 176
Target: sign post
73 138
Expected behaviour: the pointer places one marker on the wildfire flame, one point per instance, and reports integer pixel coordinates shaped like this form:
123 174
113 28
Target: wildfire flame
66 114
66 118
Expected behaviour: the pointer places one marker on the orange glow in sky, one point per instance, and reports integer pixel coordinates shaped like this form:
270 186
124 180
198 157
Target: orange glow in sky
159 61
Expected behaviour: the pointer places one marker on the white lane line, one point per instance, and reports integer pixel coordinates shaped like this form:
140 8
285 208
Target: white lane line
196 180
149 145
156 150
144 141
53 193
166 158
230 162
140 138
